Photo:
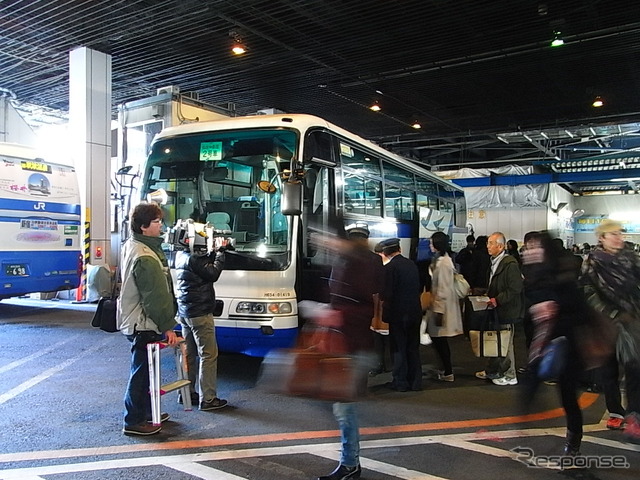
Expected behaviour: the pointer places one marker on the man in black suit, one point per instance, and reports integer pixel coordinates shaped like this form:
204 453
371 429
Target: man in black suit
403 313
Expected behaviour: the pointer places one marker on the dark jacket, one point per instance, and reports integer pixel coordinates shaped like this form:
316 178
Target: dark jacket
506 288
196 274
355 279
401 294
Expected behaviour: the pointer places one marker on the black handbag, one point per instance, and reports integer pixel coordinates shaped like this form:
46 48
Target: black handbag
105 316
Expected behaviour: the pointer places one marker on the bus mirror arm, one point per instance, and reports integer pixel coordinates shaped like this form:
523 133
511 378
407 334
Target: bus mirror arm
292 189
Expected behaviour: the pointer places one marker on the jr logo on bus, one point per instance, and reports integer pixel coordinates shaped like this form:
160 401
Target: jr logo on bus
40 206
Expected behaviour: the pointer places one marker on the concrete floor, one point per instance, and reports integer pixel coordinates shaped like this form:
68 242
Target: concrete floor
62 384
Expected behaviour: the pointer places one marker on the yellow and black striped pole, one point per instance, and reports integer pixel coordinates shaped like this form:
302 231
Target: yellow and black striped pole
82 289
87 257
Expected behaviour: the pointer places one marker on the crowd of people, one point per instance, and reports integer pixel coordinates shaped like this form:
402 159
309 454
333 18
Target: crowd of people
589 298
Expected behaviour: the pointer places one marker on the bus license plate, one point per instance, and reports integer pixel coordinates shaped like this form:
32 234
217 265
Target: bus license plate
16 270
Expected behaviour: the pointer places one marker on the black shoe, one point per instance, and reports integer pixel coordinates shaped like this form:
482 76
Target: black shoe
195 398
214 404
572 444
343 473
376 371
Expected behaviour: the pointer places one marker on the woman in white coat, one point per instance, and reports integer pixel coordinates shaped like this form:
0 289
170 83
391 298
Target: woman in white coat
444 317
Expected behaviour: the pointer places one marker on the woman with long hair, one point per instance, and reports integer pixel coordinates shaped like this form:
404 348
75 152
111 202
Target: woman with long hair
444 316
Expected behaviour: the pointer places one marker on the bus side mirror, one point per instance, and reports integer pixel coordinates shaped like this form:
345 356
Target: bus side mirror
292 198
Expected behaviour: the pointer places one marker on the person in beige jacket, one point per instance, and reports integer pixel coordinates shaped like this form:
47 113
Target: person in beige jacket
444 318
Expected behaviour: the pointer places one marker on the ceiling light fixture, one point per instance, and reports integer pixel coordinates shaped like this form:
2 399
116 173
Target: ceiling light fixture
238 47
375 107
416 125
557 39
597 103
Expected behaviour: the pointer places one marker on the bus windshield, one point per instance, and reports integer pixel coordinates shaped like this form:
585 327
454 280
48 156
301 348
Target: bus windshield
232 180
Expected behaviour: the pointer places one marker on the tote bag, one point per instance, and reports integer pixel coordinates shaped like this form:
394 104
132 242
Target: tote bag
490 340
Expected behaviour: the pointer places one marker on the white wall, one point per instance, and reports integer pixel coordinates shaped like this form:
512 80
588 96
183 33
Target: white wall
513 222
13 128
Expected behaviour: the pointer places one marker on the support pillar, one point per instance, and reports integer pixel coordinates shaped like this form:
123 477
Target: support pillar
90 127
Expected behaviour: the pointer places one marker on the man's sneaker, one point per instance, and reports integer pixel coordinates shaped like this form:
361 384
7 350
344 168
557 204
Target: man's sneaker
214 404
445 378
164 416
615 423
142 429
195 398
632 430
505 381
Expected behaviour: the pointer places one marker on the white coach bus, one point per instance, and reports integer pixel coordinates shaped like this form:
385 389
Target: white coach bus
230 173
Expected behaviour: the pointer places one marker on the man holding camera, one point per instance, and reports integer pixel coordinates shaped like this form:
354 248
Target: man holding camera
196 297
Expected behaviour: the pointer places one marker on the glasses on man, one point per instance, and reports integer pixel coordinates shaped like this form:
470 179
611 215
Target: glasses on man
157 220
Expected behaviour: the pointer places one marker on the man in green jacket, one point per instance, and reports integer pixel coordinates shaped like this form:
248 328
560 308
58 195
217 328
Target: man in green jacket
146 310
505 294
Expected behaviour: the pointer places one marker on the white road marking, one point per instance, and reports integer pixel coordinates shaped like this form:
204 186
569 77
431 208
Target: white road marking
191 463
47 373
44 351
382 467
204 472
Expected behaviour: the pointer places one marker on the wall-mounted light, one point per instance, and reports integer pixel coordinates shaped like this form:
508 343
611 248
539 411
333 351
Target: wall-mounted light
597 102
375 107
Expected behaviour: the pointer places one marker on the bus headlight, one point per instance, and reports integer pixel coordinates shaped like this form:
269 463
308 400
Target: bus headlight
264 307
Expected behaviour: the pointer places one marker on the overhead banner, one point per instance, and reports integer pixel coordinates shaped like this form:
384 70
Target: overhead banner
589 224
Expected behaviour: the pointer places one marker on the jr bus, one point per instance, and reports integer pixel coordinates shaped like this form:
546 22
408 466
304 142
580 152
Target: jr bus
40 244
230 173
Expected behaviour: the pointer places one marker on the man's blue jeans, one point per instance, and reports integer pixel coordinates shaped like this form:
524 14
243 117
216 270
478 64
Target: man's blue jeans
347 416
200 335
137 402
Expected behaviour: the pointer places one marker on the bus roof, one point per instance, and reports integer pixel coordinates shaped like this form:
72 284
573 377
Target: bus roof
300 122
18 151
25 152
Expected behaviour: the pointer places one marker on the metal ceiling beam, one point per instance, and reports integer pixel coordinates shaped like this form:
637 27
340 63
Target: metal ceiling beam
537 178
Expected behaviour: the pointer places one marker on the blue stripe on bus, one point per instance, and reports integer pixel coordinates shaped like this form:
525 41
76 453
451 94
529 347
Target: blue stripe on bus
47 271
39 206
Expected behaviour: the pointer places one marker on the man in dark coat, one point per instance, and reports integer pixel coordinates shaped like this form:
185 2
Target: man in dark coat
505 294
402 311
196 300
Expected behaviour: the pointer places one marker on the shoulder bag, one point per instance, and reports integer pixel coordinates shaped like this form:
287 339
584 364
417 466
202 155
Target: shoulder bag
317 367
553 359
105 316
460 285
